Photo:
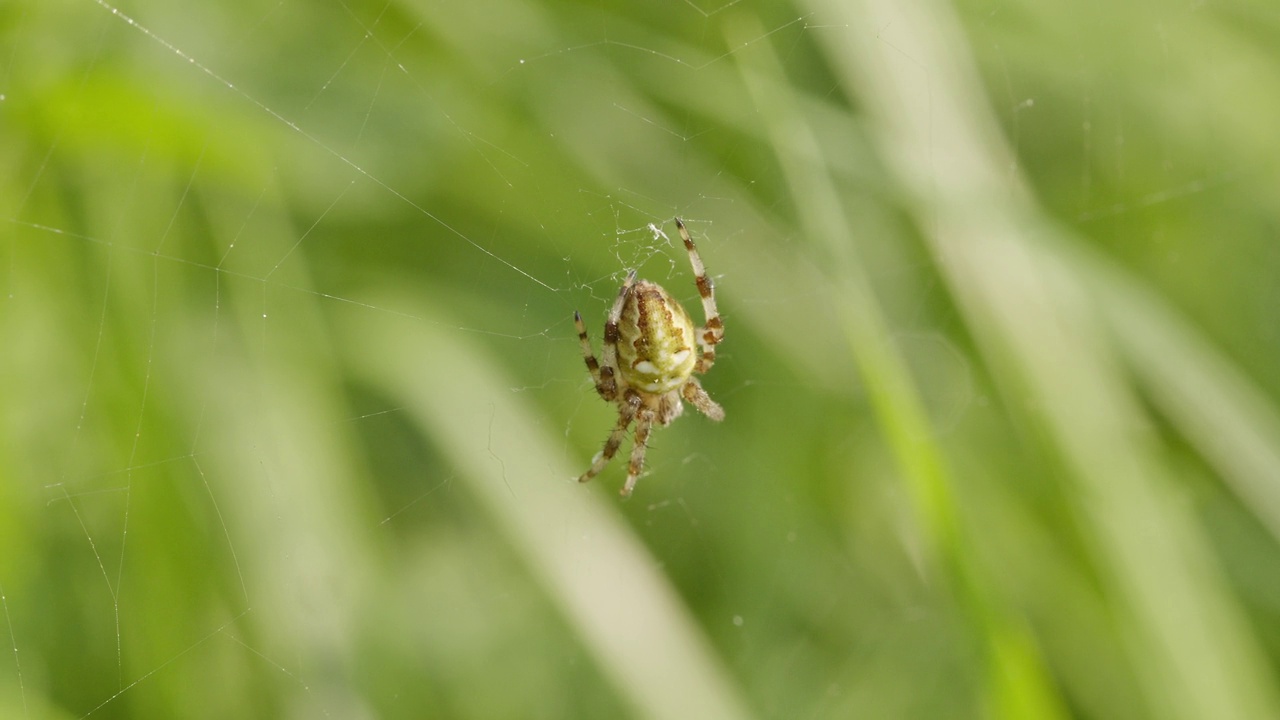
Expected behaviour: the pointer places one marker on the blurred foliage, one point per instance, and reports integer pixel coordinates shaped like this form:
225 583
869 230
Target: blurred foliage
291 402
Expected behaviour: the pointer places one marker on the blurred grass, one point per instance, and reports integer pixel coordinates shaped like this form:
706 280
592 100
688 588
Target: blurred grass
292 407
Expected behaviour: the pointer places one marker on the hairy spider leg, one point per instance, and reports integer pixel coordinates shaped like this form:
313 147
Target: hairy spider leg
644 423
609 350
588 356
712 333
627 412
605 372
696 396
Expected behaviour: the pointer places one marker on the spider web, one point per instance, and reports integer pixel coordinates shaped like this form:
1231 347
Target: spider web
213 197
293 403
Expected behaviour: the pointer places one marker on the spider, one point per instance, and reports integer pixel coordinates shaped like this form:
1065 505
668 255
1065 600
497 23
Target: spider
648 360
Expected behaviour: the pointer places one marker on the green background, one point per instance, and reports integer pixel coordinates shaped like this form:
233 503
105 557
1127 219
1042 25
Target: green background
291 404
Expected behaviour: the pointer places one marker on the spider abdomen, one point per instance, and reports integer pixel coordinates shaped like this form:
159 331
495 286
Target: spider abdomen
655 340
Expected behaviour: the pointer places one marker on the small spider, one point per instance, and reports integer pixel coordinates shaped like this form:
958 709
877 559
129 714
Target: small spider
648 360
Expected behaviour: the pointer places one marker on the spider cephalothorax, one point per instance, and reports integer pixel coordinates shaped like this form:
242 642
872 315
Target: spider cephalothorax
651 351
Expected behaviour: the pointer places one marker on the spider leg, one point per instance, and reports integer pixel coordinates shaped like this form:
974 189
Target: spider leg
589 357
693 392
608 386
669 408
712 333
626 413
644 423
